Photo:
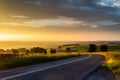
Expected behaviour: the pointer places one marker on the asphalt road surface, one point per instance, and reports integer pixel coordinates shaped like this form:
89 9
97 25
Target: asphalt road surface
77 68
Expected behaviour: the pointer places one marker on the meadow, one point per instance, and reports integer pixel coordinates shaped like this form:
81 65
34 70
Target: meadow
112 57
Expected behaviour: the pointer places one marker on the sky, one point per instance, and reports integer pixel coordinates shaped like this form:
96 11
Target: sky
59 20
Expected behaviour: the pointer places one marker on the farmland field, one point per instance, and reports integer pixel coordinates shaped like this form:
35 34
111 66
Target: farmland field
112 55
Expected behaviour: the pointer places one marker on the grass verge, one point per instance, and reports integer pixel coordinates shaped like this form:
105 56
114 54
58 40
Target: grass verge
112 60
33 59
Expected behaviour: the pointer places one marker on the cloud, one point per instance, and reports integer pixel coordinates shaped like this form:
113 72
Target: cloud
55 22
110 3
60 21
82 9
71 4
97 14
10 23
94 26
19 16
108 22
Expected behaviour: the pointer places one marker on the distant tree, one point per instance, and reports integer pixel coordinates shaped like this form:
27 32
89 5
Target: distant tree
27 51
38 50
2 51
103 47
59 47
9 51
68 49
45 51
23 50
52 51
15 51
92 48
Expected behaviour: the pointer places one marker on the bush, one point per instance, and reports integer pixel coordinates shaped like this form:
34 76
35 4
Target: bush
92 48
14 51
38 50
68 49
52 51
103 48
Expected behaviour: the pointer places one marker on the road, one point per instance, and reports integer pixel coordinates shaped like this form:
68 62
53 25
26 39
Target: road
101 74
77 68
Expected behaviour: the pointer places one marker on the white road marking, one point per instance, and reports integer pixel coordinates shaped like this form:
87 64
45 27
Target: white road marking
42 69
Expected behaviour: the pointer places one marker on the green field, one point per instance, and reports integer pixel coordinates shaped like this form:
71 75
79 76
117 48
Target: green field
112 57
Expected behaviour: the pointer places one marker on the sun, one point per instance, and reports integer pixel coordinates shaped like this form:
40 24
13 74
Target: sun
8 37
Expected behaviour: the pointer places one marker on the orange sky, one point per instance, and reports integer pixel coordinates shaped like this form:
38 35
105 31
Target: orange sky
49 30
26 21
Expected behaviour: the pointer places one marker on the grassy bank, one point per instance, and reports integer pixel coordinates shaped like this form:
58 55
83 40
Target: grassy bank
112 60
33 59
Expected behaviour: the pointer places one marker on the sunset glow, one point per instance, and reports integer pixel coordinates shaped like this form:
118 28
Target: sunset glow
7 37
40 20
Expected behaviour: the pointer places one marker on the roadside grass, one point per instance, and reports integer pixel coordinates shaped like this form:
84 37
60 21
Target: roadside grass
112 60
33 59
112 56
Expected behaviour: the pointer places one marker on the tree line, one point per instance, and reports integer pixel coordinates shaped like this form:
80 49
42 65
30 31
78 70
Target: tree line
27 51
92 48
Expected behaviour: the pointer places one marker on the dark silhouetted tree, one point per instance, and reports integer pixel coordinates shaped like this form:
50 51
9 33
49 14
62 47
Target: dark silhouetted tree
38 50
52 51
23 51
59 47
15 51
68 49
27 51
45 51
2 51
103 47
92 48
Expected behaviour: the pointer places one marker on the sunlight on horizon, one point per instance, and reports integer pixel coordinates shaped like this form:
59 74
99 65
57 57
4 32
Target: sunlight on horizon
11 37
24 37
41 20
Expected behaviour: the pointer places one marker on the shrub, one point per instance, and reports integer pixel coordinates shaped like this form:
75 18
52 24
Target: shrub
68 49
38 50
103 48
52 51
92 48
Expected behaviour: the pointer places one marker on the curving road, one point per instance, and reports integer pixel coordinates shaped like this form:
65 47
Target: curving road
77 68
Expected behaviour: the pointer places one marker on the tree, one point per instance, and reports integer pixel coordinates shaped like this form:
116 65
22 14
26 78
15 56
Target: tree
15 51
59 47
92 48
23 51
2 51
52 51
38 50
68 49
27 51
104 47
